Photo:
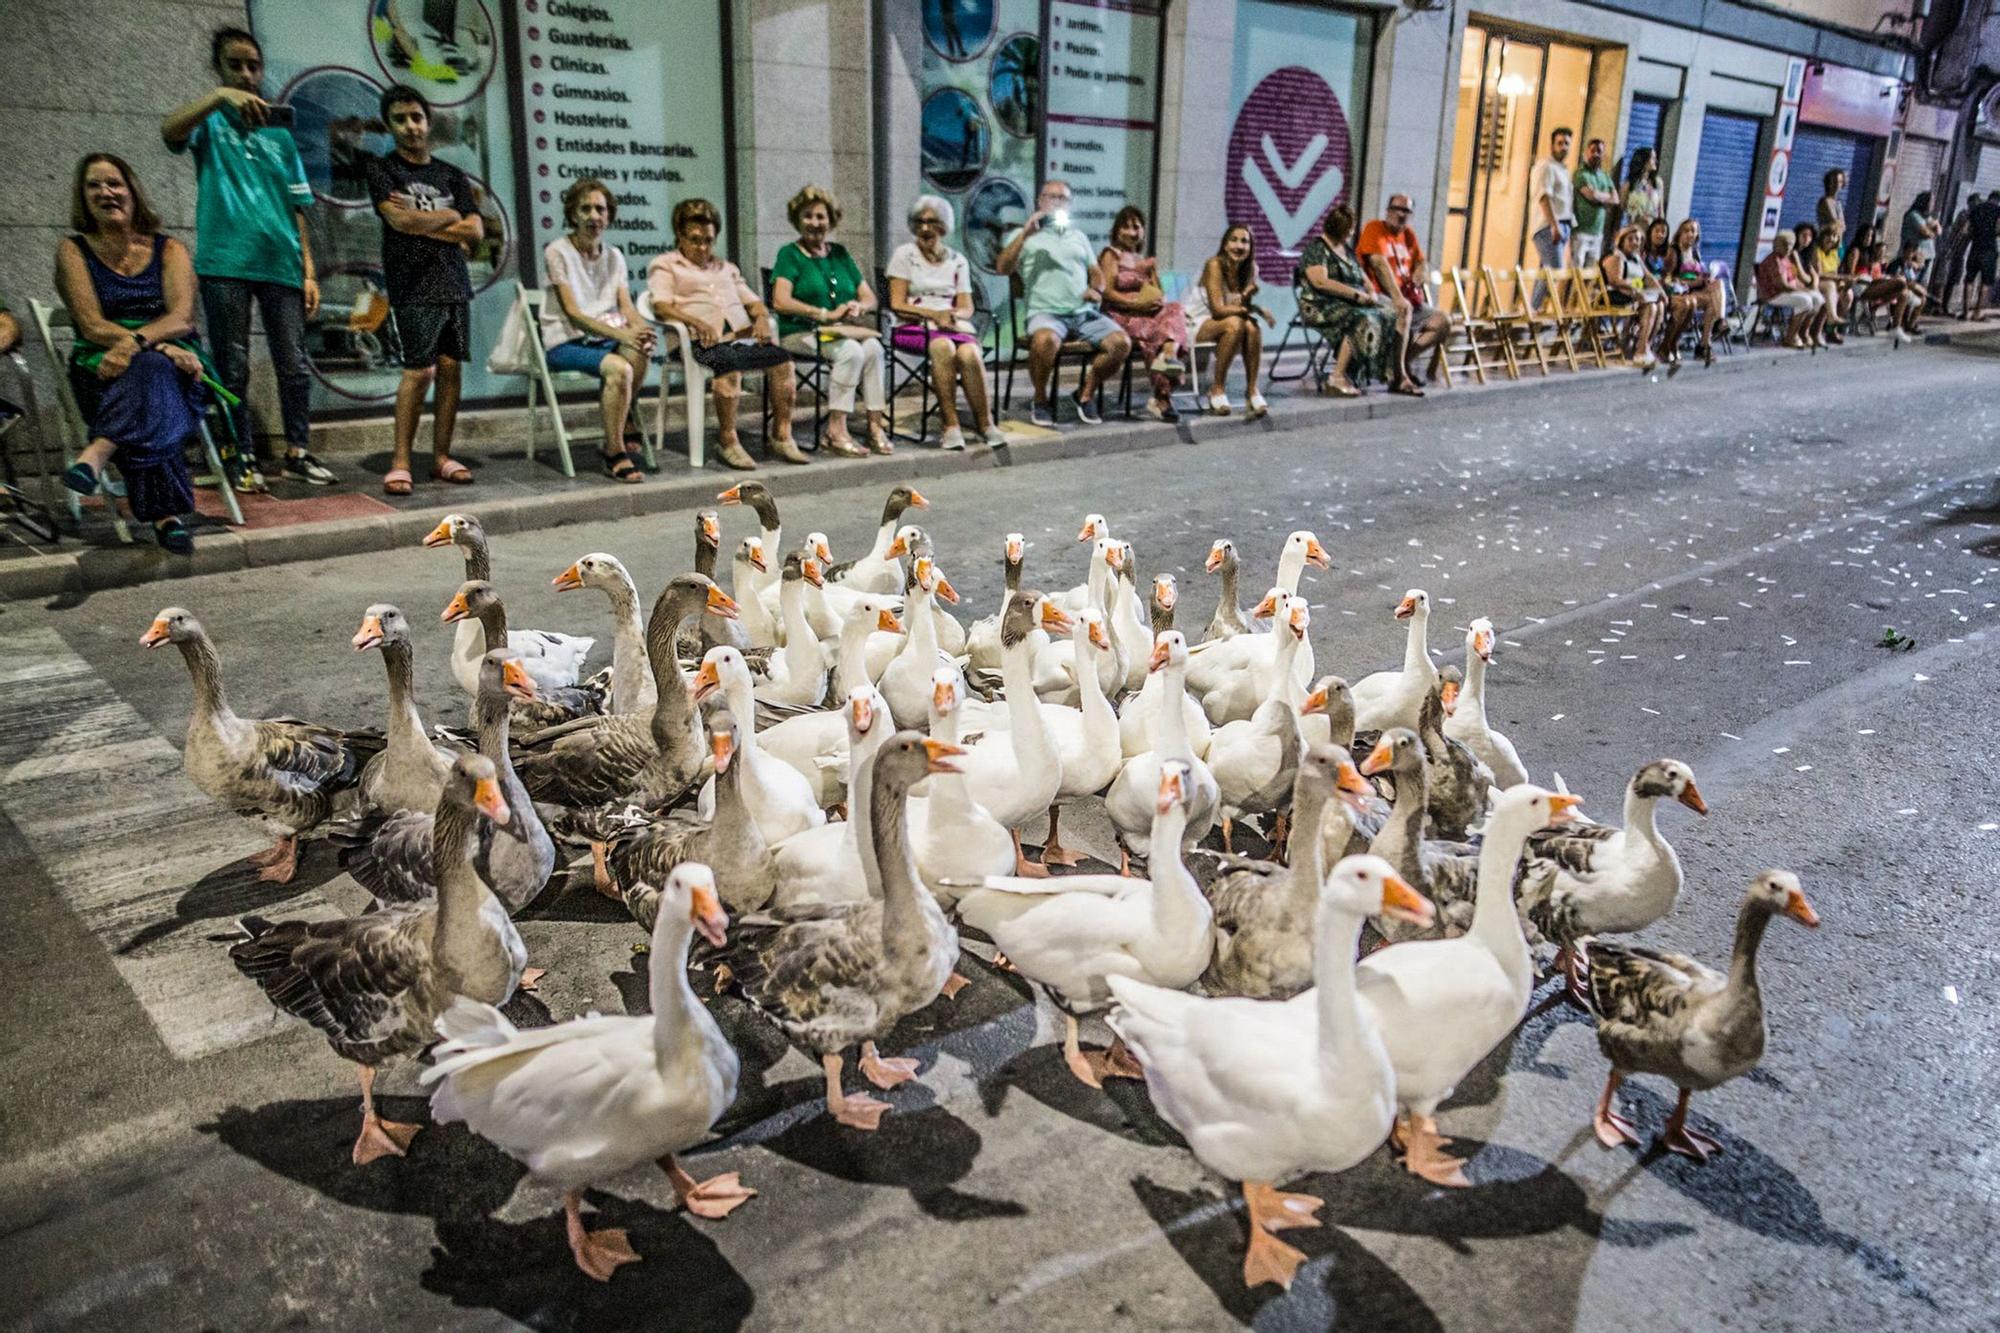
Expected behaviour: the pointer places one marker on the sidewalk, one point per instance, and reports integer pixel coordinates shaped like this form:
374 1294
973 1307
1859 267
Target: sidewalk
299 522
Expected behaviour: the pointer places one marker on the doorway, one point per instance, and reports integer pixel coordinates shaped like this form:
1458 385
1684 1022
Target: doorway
1513 89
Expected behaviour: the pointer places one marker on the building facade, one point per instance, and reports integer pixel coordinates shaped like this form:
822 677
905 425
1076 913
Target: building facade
1202 112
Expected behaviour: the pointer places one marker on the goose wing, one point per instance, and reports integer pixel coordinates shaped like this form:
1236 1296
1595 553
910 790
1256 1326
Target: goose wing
350 979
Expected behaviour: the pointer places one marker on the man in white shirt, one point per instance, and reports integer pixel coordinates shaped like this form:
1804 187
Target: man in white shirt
1554 208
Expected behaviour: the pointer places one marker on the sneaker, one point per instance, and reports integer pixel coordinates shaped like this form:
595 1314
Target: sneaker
302 466
1086 411
995 437
1903 338
244 476
952 439
1041 413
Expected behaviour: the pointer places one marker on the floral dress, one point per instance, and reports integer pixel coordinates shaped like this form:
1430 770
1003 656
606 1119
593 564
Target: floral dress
1369 327
1149 333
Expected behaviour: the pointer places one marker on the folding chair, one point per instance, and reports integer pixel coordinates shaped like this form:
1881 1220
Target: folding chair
542 378
1540 291
1317 349
1506 304
48 321
37 516
906 367
1590 302
1473 334
1075 348
810 370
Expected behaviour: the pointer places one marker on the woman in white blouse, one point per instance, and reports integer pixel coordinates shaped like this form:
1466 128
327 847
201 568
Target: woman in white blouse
589 323
930 290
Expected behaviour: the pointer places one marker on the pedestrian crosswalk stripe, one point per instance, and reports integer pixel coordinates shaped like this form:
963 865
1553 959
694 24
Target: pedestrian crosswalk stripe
149 864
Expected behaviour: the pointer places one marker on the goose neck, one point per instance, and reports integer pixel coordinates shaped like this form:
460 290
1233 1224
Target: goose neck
1346 1029
1170 736
1495 923
204 666
673 998
406 726
1416 646
1751 922
1178 904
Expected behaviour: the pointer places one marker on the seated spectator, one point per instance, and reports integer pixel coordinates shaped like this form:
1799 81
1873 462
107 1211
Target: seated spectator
135 368
731 329
1130 281
1982 256
1629 286
1878 287
930 290
1920 229
589 323
1395 262
1644 194
1779 284
826 307
1910 265
1805 256
1336 298
1222 310
1835 283
1058 280
1688 275
1681 306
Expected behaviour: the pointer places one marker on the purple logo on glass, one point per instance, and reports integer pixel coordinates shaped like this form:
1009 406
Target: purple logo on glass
1288 163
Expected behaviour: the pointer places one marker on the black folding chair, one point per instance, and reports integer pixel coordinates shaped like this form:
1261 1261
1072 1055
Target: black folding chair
1315 345
810 370
906 367
1074 348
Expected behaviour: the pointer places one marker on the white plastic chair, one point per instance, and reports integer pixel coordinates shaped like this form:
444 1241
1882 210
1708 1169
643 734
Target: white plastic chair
48 321
545 380
694 382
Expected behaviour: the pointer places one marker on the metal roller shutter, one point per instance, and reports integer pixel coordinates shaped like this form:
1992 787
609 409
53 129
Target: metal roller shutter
1816 151
1986 171
1722 178
1642 130
1917 167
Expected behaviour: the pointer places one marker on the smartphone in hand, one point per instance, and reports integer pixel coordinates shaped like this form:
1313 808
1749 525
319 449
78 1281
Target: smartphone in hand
284 117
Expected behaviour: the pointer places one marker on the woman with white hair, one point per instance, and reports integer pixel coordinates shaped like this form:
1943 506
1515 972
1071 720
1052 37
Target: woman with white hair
1779 284
822 302
930 291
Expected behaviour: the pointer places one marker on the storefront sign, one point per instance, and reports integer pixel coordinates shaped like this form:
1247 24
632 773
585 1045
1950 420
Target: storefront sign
609 89
1780 167
1103 106
1848 99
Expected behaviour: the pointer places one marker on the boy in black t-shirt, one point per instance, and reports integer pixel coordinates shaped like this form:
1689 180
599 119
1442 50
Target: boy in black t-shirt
430 217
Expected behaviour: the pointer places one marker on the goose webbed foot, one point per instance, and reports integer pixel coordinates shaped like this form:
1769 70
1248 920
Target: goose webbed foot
280 861
855 1110
1424 1153
716 1197
600 874
1678 1138
378 1138
1023 866
885 1074
1613 1130
953 984
531 979
1269 1259
598 1253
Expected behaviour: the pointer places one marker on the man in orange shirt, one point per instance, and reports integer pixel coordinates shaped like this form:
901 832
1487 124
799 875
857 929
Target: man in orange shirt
1389 249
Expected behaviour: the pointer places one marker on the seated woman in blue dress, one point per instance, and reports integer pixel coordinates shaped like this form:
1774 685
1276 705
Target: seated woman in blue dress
135 369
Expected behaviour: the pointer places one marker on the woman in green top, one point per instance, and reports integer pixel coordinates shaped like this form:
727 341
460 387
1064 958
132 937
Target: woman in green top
826 307
1336 298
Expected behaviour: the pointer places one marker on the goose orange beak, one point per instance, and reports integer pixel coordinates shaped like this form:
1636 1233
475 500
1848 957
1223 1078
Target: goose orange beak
1115 557
519 683
1297 620
898 546
1352 789
1482 644
1378 759
1098 638
945 590
486 795
723 746
1691 798
822 552
1448 695
1055 620
705 911
1266 608
711 531
885 620
370 635
1016 549
1799 910
810 568
1165 593
1400 902
155 635
1162 654
1216 555
568 581
455 610
941 755
864 714
1316 554
732 496
1406 608
917 500
1173 790
706 681
1315 703
721 604
1088 531
944 696
439 535
1562 807
756 554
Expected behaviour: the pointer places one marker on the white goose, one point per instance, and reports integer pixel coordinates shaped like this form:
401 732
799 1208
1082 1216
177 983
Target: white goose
955 838
1070 934
632 688
906 681
1254 660
1128 622
1263 1090
771 532
982 640
1467 723
780 798
1396 698
1135 717
1129 802
913 543
869 641
746 572
1016 772
795 677
587 1100
823 865
1443 1004
552 661
1211 662
1055 665
1094 529
1255 760
1086 737
878 571
816 743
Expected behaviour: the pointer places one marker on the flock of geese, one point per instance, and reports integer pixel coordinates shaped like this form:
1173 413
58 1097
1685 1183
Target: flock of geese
823 773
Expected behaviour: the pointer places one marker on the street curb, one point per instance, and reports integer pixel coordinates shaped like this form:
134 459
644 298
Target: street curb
96 568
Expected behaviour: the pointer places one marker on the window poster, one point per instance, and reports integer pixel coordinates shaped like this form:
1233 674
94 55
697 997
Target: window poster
609 89
981 118
1104 102
1298 94
330 60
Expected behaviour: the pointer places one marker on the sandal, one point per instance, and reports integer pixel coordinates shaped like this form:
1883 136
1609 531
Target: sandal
81 478
451 470
845 447
878 442
1407 388
174 537
396 481
1342 390
621 466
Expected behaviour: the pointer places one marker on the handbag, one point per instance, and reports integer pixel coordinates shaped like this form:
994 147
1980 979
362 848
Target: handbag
510 349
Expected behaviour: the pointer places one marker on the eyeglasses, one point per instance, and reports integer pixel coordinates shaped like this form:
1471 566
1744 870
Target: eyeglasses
1399 208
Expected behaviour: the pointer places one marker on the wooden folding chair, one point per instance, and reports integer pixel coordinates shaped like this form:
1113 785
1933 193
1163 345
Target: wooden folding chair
1540 292
1590 302
1472 335
1506 304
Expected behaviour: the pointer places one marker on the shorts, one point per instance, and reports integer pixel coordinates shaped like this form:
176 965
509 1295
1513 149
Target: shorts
428 332
918 337
1084 324
585 356
1981 264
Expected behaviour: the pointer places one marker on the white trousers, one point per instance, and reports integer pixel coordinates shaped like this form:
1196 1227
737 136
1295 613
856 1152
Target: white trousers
856 364
1798 302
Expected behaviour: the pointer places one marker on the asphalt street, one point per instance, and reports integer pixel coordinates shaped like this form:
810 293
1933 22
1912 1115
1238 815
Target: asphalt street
1702 569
